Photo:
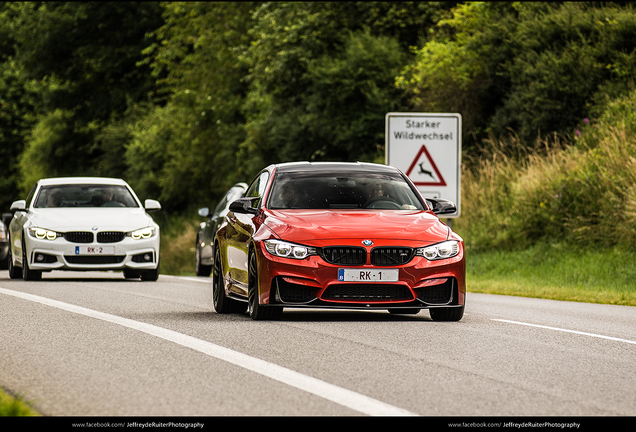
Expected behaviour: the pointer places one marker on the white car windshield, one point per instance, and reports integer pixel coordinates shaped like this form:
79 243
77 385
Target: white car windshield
85 195
302 190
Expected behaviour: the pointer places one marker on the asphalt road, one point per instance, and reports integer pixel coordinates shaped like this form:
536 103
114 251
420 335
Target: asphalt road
94 344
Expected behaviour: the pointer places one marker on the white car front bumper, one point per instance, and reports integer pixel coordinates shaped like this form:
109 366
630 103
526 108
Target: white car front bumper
61 254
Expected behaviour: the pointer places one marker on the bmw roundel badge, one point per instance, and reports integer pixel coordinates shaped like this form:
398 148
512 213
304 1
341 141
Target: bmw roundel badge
367 242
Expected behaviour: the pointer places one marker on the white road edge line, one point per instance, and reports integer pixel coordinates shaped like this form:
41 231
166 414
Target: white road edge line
207 280
568 331
333 393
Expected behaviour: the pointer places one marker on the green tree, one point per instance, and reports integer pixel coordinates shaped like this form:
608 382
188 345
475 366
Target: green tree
340 113
84 56
462 67
17 103
536 68
322 77
187 142
569 59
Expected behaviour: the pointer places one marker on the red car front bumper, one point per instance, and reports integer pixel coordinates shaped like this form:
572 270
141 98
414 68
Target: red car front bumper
313 282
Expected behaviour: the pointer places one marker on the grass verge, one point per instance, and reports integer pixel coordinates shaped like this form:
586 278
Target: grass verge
15 407
556 271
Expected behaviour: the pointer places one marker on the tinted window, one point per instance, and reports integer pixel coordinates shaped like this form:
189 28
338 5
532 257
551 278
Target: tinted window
343 191
232 195
257 188
85 196
220 206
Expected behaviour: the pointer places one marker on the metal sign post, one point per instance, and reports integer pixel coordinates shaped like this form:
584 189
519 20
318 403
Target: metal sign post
427 148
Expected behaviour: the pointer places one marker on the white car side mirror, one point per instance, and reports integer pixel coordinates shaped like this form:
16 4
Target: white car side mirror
151 205
18 205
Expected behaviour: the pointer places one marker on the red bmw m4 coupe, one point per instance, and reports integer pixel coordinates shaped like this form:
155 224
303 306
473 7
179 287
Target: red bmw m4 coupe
337 235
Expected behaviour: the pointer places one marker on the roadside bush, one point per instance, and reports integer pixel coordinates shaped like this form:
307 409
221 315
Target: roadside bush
178 235
536 67
581 189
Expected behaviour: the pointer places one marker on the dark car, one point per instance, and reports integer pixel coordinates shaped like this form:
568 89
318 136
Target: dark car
205 236
4 239
337 235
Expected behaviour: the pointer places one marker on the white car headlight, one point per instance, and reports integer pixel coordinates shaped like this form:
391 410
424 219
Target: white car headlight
144 233
43 234
288 250
447 249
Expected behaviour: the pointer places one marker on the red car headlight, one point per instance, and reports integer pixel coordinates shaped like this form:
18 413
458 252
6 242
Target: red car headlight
285 249
444 250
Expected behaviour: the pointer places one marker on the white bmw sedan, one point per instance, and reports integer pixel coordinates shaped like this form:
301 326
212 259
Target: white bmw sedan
83 223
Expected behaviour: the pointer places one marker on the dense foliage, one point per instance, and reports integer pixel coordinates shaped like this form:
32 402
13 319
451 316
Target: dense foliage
184 99
580 192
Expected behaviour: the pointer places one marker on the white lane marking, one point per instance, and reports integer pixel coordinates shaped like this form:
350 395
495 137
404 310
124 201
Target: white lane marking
333 393
191 279
568 331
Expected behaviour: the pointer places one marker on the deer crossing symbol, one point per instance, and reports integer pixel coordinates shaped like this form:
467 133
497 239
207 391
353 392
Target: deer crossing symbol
423 171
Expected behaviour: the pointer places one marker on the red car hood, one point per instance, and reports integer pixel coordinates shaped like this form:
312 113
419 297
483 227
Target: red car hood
308 226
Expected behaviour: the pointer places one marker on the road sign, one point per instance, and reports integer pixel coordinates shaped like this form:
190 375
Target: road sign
427 148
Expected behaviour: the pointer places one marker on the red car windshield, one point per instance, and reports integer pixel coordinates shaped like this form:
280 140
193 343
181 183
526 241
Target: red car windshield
85 196
315 190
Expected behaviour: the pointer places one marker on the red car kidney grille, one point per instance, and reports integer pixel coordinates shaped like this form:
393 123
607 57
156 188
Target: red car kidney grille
389 256
344 255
